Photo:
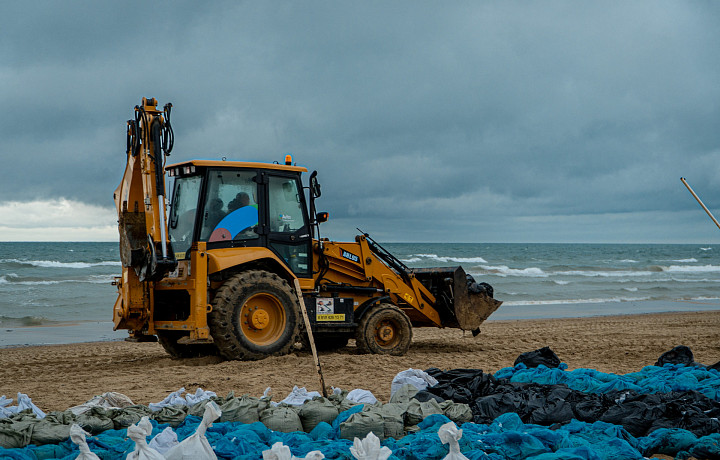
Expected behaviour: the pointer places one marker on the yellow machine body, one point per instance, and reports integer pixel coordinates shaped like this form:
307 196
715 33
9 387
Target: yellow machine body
212 292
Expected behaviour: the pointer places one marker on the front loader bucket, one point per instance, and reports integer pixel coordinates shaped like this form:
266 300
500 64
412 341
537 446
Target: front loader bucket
457 305
471 308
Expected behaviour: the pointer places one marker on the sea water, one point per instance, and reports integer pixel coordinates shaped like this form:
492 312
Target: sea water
51 284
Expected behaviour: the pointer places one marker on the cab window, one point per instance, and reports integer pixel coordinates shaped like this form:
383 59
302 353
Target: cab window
182 213
285 211
230 210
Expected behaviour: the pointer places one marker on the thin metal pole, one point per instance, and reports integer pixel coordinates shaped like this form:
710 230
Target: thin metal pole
310 336
700 201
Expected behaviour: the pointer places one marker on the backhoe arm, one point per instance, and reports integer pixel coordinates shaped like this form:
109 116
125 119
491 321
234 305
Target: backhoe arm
140 197
145 251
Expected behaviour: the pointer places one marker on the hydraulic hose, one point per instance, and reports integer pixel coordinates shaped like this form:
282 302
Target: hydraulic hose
155 130
168 136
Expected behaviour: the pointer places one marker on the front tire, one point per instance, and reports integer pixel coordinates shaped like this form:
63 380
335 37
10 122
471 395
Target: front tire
255 315
384 330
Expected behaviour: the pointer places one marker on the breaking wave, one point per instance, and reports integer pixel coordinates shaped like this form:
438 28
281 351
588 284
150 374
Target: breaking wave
445 259
57 264
16 280
691 268
504 270
575 301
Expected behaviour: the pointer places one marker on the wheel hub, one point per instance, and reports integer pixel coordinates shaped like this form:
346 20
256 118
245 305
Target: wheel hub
386 333
262 319
259 319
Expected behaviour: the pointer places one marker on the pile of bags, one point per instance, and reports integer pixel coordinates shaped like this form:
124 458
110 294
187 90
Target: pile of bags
672 396
536 409
436 437
300 411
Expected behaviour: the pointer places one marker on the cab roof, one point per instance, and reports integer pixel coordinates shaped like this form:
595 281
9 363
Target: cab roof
236 164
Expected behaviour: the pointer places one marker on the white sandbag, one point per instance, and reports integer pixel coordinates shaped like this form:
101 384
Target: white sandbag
108 400
4 402
197 445
77 436
298 396
139 434
279 451
164 441
24 403
176 397
369 449
415 377
450 434
361 396
199 396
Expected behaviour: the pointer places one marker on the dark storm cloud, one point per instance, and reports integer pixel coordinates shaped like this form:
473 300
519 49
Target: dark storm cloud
422 118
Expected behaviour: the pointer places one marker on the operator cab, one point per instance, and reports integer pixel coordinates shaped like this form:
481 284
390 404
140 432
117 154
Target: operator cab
241 204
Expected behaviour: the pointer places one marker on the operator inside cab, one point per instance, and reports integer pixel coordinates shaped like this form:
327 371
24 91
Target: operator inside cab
240 219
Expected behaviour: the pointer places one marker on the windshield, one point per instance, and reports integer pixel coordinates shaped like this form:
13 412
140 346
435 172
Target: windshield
182 213
231 210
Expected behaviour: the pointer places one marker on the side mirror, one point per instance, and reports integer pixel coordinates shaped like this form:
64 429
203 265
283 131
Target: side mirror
322 217
314 185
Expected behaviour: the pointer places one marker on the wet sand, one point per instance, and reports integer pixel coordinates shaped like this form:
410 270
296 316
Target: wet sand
59 376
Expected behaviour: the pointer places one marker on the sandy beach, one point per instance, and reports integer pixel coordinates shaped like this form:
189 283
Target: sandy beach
59 376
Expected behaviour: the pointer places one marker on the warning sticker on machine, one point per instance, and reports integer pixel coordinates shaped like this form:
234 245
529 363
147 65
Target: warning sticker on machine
324 306
330 317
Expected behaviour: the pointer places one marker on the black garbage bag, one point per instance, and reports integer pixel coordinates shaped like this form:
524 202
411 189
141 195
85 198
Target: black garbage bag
488 408
476 288
678 355
540 356
448 391
461 385
551 411
554 405
635 416
591 407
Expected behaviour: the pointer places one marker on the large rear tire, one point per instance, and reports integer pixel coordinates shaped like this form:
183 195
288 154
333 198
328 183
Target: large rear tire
168 340
255 315
384 330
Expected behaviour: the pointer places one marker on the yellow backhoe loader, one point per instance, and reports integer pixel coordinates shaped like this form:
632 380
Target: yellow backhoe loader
216 274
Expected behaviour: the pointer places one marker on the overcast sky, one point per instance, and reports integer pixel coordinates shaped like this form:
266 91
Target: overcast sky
427 121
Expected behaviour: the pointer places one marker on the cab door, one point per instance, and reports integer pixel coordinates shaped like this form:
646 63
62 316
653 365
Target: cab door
288 229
